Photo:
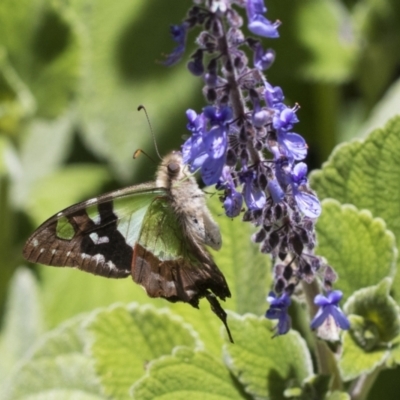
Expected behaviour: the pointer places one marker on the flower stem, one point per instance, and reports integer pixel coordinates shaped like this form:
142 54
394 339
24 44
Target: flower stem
361 387
235 94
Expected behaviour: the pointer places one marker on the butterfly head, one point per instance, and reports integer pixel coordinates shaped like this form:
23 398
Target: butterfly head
171 170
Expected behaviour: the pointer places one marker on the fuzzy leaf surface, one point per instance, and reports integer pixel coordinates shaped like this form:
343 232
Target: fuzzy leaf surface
186 374
125 339
57 365
365 174
23 320
264 364
359 247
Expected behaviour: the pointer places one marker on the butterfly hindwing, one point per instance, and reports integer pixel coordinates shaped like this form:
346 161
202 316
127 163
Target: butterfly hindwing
169 265
97 236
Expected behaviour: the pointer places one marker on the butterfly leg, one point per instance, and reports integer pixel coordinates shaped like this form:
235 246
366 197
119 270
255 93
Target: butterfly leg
219 312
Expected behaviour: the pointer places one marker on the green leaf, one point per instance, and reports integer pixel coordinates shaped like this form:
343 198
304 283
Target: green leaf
85 292
358 247
355 361
124 339
46 53
57 365
384 110
61 394
41 134
338 396
264 364
121 72
377 22
365 173
16 100
186 374
325 30
23 323
375 321
71 184
380 312
313 387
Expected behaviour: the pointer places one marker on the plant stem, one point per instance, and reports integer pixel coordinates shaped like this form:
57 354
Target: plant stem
361 387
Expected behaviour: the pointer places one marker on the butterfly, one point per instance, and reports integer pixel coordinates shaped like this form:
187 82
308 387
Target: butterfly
156 232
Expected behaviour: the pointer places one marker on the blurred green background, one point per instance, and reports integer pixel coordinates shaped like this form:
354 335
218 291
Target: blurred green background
72 74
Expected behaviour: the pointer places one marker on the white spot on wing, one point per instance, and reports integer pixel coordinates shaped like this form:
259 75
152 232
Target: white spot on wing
170 284
99 258
110 265
53 251
96 239
35 242
103 239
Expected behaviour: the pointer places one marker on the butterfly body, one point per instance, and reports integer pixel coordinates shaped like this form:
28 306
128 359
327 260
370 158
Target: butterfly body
155 232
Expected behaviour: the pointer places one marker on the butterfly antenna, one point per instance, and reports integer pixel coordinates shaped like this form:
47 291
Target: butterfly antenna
141 107
137 153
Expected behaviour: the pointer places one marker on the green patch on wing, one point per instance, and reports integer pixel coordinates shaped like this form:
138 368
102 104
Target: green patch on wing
64 229
131 211
161 233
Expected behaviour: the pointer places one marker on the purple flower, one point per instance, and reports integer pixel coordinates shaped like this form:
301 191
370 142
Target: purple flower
285 118
273 95
260 117
292 145
279 310
207 149
275 191
263 60
308 204
253 195
233 200
329 316
258 24
193 150
218 116
178 33
233 203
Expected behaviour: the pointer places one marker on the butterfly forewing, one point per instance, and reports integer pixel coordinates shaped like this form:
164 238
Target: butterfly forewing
97 236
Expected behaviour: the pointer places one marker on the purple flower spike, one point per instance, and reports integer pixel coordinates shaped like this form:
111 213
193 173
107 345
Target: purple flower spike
279 310
329 315
178 33
258 24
